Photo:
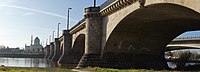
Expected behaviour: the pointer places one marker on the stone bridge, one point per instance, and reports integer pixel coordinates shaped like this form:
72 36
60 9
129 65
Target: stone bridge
126 33
184 43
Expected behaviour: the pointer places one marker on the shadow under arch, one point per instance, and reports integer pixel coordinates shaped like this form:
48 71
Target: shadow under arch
138 41
78 48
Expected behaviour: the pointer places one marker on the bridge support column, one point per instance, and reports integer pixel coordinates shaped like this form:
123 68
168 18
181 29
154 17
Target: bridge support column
93 38
47 51
51 50
57 52
67 41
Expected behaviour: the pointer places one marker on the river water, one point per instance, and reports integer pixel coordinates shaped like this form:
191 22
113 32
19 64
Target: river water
24 62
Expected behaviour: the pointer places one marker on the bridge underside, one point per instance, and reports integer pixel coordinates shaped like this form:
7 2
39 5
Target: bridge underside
138 41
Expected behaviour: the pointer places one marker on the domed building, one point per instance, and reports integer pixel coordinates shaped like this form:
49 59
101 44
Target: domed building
36 47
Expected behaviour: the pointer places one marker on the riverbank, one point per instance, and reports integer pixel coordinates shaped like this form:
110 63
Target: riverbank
96 69
193 68
89 69
31 69
28 69
34 69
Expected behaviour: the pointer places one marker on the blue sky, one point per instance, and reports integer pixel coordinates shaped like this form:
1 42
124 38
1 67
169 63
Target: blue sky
19 19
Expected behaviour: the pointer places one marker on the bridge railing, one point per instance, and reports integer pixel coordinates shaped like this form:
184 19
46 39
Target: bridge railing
81 21
105 4
189 37
108 2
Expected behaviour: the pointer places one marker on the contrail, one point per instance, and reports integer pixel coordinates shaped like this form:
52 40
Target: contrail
39 11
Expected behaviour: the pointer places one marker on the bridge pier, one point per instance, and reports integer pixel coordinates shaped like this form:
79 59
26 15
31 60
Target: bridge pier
67 43
57 52
93 38
47 51
51 50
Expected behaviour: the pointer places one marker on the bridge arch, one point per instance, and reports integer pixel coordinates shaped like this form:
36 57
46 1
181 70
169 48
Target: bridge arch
140 37
78 48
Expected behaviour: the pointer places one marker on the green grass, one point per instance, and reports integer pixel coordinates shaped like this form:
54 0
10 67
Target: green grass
26 69
96 69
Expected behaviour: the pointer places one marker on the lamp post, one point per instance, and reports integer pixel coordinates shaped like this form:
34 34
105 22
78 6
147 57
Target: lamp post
68 18
49 39
58 30
94 3
46 41
53 36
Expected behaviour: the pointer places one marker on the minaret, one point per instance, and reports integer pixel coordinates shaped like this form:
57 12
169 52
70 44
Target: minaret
31 40
46 41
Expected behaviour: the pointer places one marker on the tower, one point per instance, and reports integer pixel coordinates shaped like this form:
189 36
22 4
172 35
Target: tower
31 40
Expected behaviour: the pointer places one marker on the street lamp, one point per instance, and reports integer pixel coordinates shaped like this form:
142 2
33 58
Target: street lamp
53 36
94 3
58 30
68 18
49 39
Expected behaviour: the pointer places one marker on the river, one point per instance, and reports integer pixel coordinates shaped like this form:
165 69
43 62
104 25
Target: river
24 62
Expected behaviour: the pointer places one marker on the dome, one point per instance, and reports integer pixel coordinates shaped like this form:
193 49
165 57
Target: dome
37 41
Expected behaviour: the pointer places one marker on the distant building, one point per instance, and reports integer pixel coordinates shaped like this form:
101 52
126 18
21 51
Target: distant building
10 50
34 48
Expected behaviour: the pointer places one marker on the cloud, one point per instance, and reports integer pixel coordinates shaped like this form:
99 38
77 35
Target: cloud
39 11
5 1
28 14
